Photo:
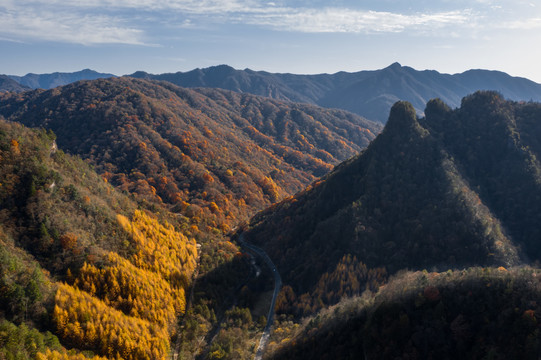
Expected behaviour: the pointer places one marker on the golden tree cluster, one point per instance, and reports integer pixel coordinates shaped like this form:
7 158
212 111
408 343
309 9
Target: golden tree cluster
88 323
126 308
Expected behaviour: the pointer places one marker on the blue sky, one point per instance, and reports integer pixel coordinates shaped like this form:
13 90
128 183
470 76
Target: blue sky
297 36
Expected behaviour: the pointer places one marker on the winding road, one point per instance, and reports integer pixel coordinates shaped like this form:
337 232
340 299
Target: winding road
277 286
195 275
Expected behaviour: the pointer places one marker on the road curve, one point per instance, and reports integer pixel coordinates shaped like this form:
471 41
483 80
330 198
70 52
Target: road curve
277 286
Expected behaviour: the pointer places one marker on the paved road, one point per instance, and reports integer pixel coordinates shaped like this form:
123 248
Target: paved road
180 330
277 285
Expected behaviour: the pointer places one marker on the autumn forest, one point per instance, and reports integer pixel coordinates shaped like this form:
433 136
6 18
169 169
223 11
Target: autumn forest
136 218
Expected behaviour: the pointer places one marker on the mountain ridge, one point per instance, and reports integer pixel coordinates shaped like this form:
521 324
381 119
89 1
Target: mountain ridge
8 84
470 313
52 80
457 188
369 93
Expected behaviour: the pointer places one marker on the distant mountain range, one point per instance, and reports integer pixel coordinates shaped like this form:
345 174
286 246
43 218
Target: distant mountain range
49 81
8 84
367 93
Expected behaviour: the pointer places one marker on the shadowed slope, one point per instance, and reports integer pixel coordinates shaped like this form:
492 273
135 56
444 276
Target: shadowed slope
454 189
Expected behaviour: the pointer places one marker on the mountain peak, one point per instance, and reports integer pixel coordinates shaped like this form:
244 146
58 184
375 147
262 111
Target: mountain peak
140 74
395 65
402 117
222 67
51 80
433 192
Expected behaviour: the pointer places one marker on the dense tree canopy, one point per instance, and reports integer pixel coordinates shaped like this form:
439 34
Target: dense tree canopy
456 188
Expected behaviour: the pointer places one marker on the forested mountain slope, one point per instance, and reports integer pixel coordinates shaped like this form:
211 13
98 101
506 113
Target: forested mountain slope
475 313
367 93
216 156
203 159
82 260
457 188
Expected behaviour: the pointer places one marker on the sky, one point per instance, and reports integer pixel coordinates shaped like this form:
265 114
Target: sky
293 36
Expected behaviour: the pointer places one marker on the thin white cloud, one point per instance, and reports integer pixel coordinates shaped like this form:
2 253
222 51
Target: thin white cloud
351 21
444 47
112 21
525 24
105 21
187 6
67 27
12 40
171 59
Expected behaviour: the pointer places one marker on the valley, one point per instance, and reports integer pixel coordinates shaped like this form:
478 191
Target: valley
122 196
